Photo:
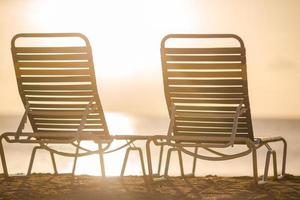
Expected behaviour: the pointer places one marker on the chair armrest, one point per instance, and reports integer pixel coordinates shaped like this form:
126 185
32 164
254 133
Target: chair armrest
22 122
239 111
87 110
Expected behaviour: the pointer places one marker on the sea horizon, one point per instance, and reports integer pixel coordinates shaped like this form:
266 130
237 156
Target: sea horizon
17 155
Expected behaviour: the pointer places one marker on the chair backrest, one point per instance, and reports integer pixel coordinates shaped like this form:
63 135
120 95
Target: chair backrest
206 74
56 78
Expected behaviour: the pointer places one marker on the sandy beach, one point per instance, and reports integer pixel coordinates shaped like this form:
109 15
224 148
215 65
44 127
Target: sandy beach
47 186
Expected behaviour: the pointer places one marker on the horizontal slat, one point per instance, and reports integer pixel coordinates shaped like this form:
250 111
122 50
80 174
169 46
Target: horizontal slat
216 101
71 131
59 93
230 114
38 105
205 82
84 99
57 87
204 74
193 58
204 135
205 114
207 119
211 108
228 50
56 79
51 49
53 57
52 116
216 130
67 121
207 89
67 110
59 113
207 95
56 72
228 125
64 116
57 126
54 64
204 66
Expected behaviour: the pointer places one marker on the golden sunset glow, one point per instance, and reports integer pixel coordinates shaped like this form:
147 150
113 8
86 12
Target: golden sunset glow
203 95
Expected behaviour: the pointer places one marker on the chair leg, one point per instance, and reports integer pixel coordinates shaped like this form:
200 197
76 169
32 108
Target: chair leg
168 162
273 153
194 162
274 165
53 162
125 161
160 159
254 162
101 159
4 166
32 159
180 163
142 161
149 162
192 174
284 157
75 159
268 156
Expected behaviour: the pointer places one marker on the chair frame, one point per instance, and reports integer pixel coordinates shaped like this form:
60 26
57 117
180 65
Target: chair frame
74 138
196 142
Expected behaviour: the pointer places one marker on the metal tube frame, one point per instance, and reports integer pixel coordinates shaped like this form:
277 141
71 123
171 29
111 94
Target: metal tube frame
34 138
30 138
158 140
33 153
168 161
128 150
176 144
252 148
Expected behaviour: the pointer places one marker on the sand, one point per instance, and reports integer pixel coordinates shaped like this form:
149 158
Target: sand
47 186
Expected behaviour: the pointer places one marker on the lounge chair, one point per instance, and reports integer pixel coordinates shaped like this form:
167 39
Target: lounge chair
57 85
205 84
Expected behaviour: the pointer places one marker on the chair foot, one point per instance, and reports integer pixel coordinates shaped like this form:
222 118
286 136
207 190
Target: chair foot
262 182
189 175
157 175
281 176
162 178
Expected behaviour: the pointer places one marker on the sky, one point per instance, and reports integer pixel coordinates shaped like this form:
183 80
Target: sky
125 38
